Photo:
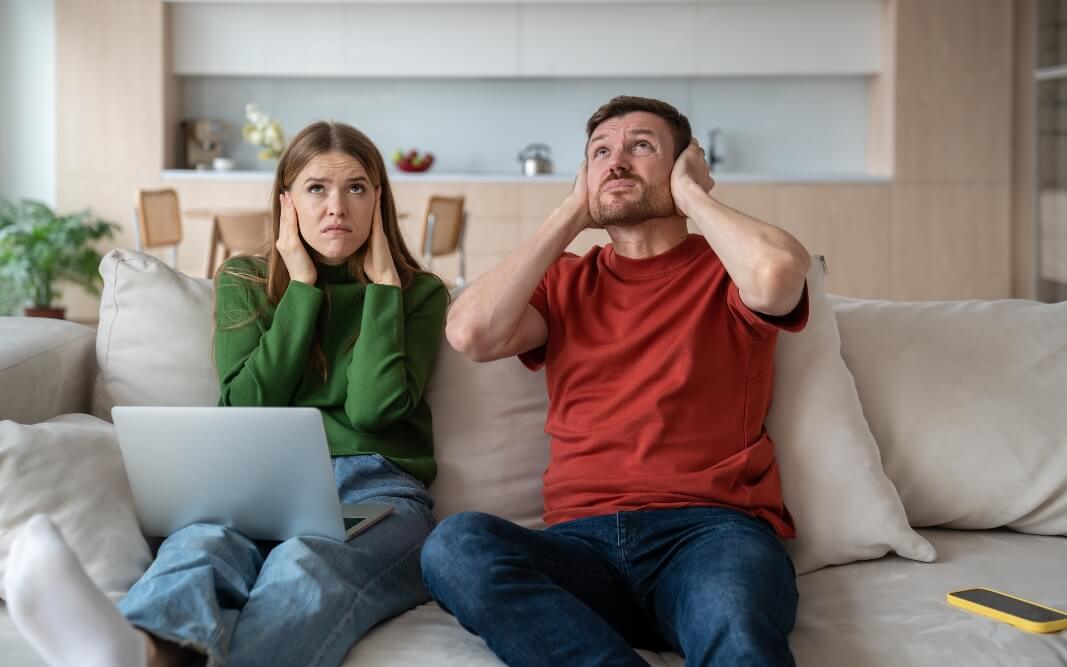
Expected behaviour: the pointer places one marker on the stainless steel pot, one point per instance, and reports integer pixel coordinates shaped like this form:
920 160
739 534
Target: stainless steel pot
535 159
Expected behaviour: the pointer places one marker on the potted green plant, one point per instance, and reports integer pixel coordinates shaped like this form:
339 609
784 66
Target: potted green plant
39 248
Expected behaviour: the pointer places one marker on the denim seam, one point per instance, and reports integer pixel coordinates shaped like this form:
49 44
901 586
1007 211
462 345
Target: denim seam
397 470
335 633
620 538
569 568
213 640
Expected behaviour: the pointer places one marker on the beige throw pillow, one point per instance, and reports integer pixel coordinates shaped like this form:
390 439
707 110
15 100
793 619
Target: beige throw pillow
70 469
153 346
489 437
843 505
968 403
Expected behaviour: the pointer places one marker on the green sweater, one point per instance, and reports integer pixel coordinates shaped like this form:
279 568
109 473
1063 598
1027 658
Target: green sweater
380 345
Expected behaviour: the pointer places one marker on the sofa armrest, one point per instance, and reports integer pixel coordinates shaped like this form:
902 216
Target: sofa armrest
47 368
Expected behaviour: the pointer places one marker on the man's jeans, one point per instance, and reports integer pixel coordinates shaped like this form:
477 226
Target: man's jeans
712 583
304 601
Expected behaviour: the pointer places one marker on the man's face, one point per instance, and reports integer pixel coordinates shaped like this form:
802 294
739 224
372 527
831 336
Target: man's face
630 159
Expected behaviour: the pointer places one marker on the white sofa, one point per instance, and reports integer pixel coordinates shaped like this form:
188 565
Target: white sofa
967 438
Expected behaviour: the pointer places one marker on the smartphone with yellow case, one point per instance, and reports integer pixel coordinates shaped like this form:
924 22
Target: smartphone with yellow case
1021 613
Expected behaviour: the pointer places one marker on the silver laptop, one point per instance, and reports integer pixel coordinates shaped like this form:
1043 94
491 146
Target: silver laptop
263 471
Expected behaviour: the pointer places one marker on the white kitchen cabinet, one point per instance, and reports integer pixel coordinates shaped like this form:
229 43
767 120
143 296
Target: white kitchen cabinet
432 41
344 40
601 40
806 38
270 40
527 39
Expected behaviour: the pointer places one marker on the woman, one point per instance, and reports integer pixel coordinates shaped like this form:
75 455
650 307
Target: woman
337 316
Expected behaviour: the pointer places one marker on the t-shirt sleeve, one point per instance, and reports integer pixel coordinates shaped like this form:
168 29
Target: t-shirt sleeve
534 359
762 325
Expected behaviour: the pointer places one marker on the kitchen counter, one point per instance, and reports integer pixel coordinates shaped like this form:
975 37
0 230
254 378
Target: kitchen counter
171 175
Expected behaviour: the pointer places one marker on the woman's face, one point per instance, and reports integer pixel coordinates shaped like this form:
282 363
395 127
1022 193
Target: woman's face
334 202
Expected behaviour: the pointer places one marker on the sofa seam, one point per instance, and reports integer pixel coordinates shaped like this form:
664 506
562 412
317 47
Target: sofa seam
115 305
42 352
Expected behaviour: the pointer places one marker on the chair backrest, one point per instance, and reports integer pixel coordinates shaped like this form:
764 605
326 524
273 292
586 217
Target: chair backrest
243 231
160 217
447 230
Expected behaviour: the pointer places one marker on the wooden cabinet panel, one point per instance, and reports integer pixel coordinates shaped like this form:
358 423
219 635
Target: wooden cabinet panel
109 88
497 200
759 201
944 241
953 90
950 242
849 225
538 200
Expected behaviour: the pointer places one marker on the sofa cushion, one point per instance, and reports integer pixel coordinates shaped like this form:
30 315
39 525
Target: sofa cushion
968 403
70 468
884 613
489 437
153 346
843 505
46 368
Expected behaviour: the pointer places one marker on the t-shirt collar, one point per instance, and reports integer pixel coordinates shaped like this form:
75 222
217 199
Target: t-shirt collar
656 266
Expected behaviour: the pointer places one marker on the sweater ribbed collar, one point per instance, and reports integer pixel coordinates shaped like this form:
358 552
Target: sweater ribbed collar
334 274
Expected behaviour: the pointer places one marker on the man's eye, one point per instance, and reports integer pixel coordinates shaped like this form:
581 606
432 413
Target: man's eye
642 145
600 152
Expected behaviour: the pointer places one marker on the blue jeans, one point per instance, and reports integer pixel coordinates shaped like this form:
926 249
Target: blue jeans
713 584
304 601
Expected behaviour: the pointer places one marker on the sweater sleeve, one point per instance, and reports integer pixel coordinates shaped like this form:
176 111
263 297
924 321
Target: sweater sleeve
395 353
261 359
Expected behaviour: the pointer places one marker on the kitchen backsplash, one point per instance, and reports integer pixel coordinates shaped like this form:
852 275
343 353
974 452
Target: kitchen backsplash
779 125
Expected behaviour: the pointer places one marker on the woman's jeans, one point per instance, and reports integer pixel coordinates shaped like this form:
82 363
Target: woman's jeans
304 601
713 584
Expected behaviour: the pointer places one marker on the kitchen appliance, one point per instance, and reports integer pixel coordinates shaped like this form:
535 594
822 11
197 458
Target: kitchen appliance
715 148
535 159
201 143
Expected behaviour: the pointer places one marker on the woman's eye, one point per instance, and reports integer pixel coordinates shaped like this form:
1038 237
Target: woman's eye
315 189
356 189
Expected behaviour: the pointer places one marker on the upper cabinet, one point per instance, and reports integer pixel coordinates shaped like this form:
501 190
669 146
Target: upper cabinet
789 38
601 40
527 39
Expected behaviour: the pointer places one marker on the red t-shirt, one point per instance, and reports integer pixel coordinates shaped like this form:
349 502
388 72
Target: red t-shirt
659 380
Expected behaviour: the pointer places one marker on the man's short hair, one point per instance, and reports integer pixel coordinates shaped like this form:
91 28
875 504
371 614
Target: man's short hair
624 104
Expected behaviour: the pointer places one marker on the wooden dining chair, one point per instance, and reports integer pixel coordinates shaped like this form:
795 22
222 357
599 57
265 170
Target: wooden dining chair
157 221
443 229
238 232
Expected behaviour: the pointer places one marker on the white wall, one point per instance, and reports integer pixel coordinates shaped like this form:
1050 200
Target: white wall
779 125
27 100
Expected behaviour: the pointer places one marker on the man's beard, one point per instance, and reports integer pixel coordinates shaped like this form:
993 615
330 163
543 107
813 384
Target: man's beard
653 203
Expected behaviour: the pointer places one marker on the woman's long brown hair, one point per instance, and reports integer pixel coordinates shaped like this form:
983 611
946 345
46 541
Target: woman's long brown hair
314 140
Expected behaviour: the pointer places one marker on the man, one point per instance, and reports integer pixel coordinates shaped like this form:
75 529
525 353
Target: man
662 494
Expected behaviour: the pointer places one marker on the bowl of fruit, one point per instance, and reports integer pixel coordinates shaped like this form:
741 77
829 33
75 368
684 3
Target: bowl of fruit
412 161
